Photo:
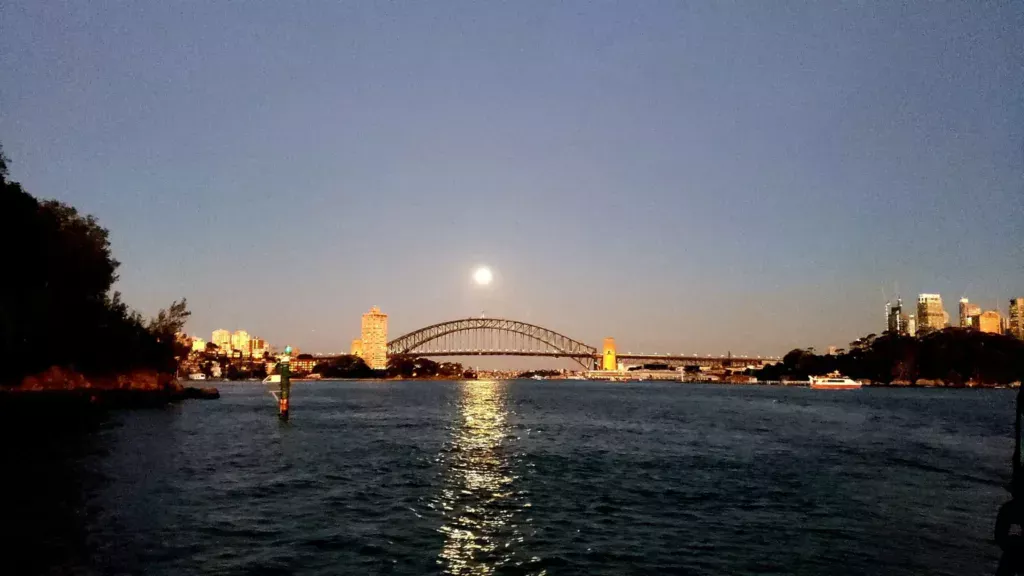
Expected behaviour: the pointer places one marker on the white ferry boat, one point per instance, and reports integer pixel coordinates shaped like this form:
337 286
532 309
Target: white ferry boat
833 382
197 376
272 379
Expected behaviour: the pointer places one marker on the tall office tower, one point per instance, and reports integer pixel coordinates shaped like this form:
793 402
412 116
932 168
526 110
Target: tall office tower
930 314
240 341
1016 324
896 321
357 348
375 339
912 326
258 347
222 338
967 310
989 321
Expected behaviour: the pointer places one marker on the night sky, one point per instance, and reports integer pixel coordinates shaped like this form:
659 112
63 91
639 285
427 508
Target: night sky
690 177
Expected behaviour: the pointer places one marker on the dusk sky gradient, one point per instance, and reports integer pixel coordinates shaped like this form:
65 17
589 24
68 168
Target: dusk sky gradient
684 176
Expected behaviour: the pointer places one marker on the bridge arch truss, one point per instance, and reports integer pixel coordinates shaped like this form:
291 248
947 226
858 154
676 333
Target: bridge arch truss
492 337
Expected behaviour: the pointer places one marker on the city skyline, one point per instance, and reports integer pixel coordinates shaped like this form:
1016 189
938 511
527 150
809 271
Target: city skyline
970 316
685 179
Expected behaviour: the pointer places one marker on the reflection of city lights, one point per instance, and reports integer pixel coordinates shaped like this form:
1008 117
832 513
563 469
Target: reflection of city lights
477 499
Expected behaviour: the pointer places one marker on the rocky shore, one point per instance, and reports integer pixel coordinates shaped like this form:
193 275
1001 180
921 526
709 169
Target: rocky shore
59 388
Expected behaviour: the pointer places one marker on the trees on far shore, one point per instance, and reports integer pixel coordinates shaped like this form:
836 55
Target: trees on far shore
346 366
953 355
407 366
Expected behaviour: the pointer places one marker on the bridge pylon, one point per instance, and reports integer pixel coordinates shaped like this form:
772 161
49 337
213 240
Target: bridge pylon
609 361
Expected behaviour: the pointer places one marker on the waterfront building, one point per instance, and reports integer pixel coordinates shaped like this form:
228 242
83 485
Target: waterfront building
988 321
912 325
930 313
375 339
198 344
967 312
304 365
357 348
1016 324
222 338
240 342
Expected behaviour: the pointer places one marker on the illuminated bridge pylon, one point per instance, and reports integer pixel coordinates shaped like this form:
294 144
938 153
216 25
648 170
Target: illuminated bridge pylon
492 337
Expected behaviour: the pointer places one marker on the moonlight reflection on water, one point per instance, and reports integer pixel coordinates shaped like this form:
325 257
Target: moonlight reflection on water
479 501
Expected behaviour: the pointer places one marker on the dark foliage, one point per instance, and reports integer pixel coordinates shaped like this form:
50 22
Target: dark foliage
347 366
245 371
954 356
404 366
56 304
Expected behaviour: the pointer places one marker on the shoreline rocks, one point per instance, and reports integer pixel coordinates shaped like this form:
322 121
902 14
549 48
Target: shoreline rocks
59 387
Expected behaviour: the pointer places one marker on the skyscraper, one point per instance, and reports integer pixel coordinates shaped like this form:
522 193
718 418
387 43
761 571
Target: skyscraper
896 320
930 313
1016 324
240 341
375 339
967 310
988 321
258 347
357 348
222 338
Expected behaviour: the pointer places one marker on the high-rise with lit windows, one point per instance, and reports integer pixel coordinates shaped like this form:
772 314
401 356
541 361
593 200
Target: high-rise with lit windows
375 339
1016 323
896 320
931 315
240 341
988 321
222 338
967 311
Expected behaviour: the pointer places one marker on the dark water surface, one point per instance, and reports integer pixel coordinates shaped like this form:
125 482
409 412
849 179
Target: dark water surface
520 478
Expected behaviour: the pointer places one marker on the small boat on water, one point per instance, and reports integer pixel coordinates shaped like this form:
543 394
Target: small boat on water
272 379
197 376
833 382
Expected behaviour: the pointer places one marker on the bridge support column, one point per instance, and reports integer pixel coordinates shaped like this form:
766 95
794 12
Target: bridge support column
608 358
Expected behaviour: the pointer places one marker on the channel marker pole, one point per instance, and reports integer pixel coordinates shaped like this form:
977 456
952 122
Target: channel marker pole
286 384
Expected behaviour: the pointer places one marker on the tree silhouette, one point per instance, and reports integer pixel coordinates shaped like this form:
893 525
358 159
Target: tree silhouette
56 305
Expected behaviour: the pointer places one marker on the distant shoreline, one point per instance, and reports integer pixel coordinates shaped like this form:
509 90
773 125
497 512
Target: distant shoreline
771 383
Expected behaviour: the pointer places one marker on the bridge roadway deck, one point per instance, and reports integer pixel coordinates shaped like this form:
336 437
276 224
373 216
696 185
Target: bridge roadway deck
644 358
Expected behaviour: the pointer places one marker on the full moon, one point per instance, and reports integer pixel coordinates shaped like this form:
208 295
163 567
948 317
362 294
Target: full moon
482 276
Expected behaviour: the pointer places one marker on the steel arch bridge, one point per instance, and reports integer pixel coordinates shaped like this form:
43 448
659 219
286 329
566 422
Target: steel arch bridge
492 337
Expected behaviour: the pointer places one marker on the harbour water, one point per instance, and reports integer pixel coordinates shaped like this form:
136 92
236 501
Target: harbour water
519 477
